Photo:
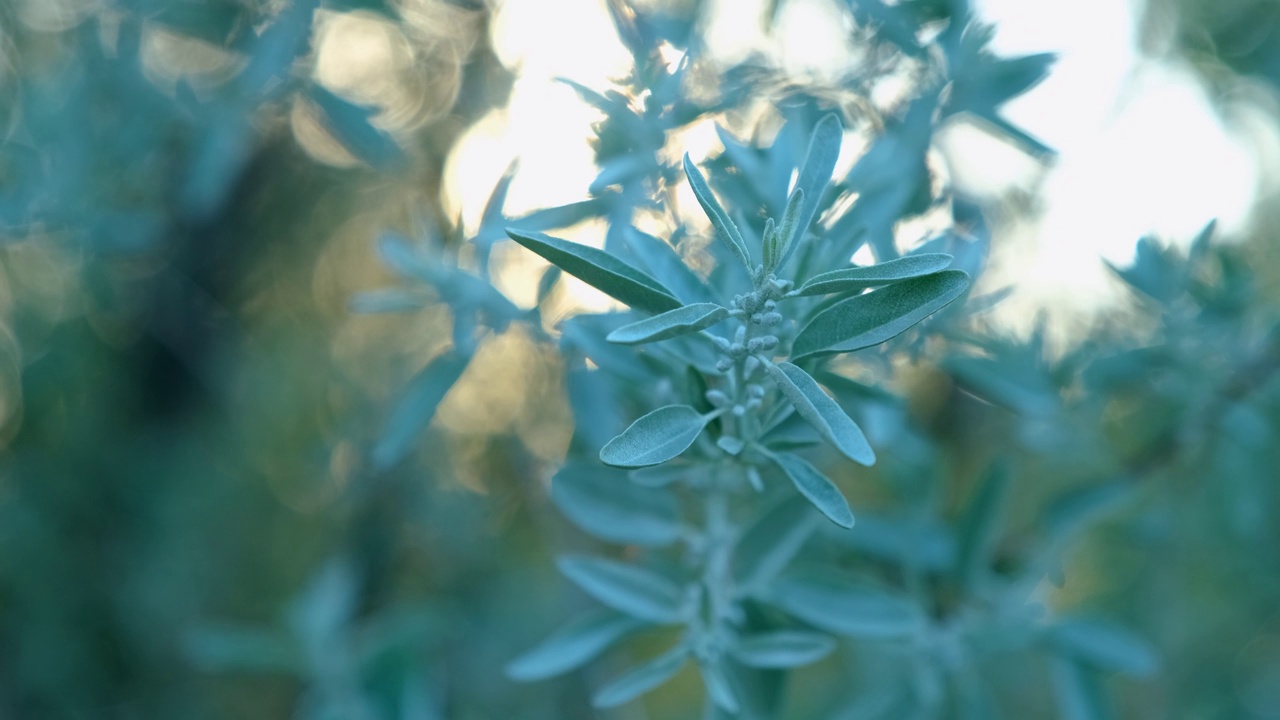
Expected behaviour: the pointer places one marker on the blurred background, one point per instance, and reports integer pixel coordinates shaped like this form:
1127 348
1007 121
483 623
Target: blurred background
201 514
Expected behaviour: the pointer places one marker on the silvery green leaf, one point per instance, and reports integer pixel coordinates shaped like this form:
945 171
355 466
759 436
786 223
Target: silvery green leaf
725 228
782 649
885 273
815 174
771 541
660 259
786 233
866 320
655 438
605 503
633 590
821 412
719 688
600 270
642 679
417 404
1080 695
1104 645
981 524
843 607
816 487
571 646
673 323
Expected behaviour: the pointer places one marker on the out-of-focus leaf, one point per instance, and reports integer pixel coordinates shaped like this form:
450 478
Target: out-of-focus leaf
417 405
816 487
771 542
866 320
981 526
638 592
719 688
782 649
1104 645
224 648
1079 694
601 271
655 438
673 323
844 607
662 261
352 126
821 412
642 679
569 647
815 174
606 504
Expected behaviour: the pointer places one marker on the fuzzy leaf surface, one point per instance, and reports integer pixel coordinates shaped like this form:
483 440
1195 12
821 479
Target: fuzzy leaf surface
636 591
673 323
885 273
820 411
816 487
600 270
655 438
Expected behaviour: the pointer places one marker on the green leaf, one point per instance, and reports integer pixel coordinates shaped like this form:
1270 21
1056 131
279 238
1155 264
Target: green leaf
866 320
840 606
1080 695
642 679
719 688
571 646
816 487
885 273
417 404
815 174
786 233
981 525
600 270
1105 646
783 649
605 503
719 218
635 591
673 323
656 438
236 648
821 412
771 542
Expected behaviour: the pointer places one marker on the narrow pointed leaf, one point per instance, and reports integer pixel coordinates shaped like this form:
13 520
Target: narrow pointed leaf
845 608
860 278
655 438
636 591
789 230
725 228
771 542
571 646
1105 646
816 487
600 270
1080 695
866 320
673 323
719 688
981 525
417 405
642 679
822 412
605 503
815 174
783 649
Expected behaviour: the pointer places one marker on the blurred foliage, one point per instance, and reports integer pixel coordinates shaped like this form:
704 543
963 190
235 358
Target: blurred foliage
221 495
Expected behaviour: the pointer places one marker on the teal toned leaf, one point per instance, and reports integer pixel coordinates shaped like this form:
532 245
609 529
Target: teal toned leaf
417 405
388 301
655 438
772 541
981 525
600 270
673 323
719 218
642 679
783 649
605 503
226 648
1105 646
815 174
352 126
781 242
843 607
719 688
821 412
1080 695
571 646
866 320
816 487
860 278
633 590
